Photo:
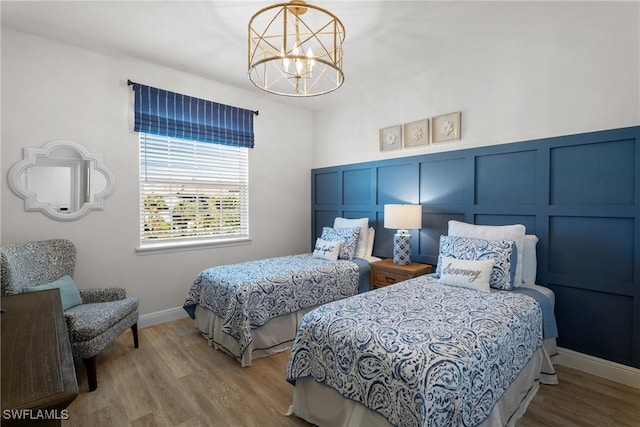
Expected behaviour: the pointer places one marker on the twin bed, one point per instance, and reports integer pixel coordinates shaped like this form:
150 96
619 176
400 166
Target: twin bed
253 309
419 353
467 345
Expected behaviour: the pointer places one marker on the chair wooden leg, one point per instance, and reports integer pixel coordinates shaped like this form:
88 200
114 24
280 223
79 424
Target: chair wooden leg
134 331
92 376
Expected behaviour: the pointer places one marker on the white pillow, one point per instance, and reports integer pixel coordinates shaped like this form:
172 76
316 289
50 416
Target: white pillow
371 237
363 223
465 273
529 259
494 232
325 249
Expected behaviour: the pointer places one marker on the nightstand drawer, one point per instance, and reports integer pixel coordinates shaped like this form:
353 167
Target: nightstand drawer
384 273
384 278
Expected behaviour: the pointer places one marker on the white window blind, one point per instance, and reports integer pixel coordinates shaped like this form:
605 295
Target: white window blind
192 192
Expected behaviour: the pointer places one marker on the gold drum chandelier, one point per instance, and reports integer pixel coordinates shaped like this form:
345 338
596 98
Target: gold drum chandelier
295 49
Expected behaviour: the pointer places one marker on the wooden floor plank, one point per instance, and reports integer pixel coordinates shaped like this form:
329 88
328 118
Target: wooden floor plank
175 379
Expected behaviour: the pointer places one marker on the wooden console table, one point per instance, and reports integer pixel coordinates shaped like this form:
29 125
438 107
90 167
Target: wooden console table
38 374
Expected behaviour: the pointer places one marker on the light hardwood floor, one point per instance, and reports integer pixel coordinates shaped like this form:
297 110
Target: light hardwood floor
175 379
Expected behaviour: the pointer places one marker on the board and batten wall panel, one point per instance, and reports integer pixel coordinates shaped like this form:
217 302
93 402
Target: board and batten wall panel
580 194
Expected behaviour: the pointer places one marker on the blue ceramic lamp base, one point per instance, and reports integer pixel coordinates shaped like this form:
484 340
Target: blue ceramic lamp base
402 249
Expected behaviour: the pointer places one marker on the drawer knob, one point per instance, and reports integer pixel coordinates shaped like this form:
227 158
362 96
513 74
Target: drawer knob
390 279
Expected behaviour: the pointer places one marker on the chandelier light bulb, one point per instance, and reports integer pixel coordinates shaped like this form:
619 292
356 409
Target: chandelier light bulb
311 62
285 61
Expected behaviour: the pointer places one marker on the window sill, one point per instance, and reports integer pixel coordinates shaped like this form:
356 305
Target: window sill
160 248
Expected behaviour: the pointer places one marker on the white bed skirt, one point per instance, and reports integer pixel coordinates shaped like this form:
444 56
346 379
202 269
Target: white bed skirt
278 334
273 337
323 406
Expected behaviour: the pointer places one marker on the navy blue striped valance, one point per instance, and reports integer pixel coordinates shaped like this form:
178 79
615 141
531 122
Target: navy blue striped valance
165 113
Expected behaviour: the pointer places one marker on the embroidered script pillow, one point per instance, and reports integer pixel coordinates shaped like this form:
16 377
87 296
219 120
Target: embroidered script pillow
326 250
466 273
503 253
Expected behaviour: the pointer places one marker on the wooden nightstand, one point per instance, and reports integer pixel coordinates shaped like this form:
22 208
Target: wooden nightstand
384 273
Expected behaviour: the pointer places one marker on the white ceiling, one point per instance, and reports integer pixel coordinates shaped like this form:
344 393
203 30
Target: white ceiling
384 39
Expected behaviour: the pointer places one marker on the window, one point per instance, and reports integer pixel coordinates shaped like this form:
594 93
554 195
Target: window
194 173
192 192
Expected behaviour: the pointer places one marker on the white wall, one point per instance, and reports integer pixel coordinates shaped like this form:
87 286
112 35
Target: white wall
54 91
552 68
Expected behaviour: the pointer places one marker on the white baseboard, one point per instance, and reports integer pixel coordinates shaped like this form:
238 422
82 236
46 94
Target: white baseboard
161 316
600 367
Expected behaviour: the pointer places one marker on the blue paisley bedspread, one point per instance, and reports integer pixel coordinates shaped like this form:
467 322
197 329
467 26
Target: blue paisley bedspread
420 353
247 295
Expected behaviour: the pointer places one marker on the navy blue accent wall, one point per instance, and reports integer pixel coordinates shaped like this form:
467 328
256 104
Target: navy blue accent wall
580 194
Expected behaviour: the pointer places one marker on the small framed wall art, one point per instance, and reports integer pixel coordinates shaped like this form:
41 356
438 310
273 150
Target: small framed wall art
391 138
416 133
445 128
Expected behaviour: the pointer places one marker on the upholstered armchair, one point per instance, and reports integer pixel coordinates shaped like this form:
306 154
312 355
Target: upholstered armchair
95 317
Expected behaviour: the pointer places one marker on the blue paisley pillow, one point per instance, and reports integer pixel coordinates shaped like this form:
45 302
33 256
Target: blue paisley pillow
348 238
503 252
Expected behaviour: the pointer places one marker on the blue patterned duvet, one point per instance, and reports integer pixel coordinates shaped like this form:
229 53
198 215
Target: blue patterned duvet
247 295
420 353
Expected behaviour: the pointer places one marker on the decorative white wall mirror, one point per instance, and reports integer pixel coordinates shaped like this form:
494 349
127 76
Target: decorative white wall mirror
62 180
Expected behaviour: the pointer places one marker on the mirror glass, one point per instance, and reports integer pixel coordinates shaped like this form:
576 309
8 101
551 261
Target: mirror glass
61 179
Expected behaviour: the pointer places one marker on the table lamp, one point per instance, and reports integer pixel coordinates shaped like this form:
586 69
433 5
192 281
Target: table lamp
402 218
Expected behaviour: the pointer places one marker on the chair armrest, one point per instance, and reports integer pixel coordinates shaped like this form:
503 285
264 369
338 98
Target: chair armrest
102 295
70 318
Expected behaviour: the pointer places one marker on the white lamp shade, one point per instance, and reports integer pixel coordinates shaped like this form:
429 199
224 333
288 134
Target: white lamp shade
403 217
